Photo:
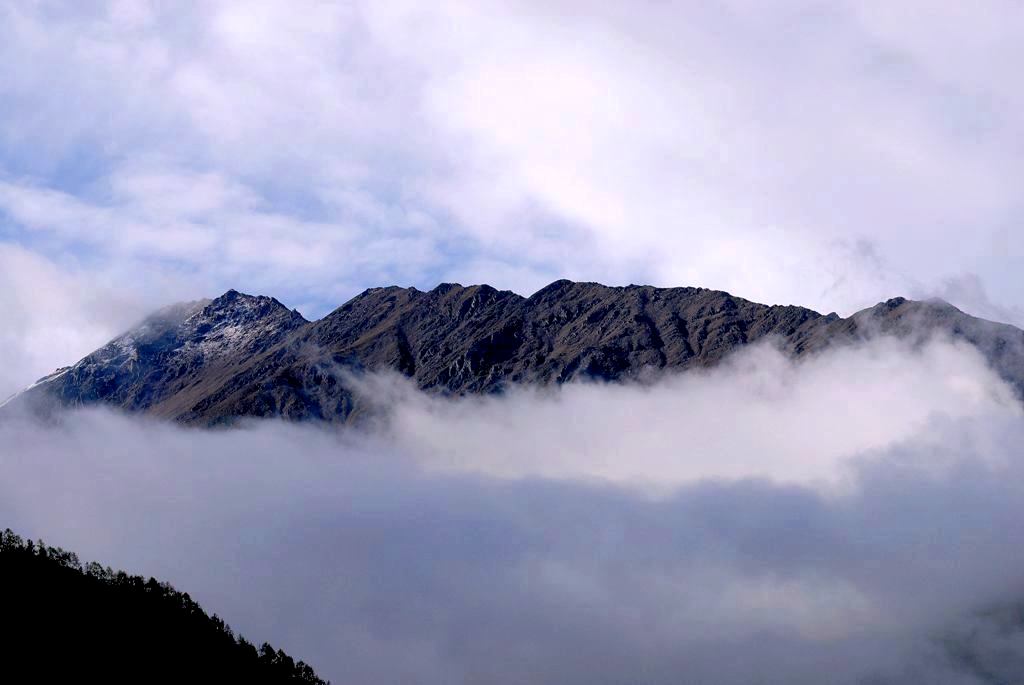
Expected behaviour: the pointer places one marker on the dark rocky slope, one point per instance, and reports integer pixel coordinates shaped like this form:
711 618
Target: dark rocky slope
244 356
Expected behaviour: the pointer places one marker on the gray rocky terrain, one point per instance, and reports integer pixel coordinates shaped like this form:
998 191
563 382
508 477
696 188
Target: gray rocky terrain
212 362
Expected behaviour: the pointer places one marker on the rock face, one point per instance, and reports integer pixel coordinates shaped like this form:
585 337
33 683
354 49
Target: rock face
212 362
172 358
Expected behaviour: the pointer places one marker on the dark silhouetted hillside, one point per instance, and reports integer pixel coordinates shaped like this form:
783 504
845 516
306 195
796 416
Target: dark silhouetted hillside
68 622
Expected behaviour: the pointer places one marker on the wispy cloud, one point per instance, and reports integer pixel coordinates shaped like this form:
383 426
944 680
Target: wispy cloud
720 145
55 312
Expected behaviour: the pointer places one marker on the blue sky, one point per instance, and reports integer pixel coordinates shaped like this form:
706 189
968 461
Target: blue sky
830 155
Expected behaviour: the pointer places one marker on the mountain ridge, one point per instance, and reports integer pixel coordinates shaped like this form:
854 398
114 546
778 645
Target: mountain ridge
211 362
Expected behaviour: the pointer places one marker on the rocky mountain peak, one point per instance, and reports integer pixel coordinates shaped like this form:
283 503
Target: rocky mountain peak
238 355
445 288
235 323
242 308
556 289
174 348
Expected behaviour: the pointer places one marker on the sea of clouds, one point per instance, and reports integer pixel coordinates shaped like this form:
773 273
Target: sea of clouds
848 519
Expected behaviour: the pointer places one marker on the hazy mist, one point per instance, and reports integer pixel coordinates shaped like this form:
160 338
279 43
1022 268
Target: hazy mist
762 522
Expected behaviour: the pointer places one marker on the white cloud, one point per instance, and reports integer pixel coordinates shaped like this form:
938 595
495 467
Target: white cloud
54 313
968 292
352 551
736 147
829 156
759 416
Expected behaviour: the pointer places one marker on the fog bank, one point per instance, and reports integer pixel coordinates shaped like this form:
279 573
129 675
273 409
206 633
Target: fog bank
825 521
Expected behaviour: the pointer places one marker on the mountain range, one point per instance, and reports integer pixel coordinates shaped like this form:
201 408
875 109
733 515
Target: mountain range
212 362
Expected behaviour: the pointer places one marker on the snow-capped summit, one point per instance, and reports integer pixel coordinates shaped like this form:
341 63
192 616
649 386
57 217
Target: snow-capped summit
168 353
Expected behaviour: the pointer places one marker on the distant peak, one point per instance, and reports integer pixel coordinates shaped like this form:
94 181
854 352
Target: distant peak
238 304
232 295
941 303
443 288
554 287
483 288
236 296
381 289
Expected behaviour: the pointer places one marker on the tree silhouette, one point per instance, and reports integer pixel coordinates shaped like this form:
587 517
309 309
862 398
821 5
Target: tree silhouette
63 620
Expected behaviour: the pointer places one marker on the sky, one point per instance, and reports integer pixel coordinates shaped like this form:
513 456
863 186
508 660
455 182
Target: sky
825 154
761 522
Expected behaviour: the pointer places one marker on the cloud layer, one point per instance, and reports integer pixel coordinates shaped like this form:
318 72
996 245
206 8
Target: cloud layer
760 415
600 534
